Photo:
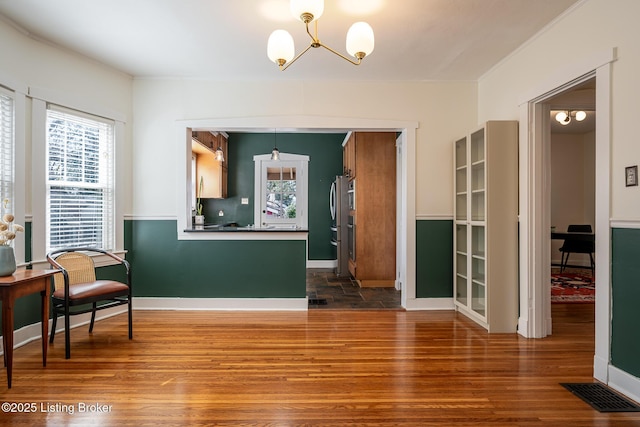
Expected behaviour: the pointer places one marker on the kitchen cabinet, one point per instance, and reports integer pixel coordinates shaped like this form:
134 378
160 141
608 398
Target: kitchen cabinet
486 225
213 172
373 256
349 157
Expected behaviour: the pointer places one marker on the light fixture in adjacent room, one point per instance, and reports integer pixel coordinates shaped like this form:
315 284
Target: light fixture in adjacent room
219 155
275 153
281 50
564 117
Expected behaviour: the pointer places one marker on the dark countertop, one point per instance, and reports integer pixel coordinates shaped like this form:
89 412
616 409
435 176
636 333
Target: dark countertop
225 228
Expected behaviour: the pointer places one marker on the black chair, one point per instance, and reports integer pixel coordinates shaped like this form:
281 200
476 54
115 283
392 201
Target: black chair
577 246
77 290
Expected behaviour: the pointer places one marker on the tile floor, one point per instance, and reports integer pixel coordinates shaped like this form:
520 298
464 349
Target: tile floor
326 291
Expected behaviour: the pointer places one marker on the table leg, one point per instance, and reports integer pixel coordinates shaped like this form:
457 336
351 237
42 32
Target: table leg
7 336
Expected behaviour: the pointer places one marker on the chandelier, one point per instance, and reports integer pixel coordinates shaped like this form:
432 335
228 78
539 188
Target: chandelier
281 50
564 117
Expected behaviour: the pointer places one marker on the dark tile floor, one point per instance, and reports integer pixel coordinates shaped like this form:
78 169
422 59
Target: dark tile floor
326 291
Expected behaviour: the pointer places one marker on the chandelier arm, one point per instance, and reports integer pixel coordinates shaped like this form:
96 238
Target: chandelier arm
315 42
282 68
341 55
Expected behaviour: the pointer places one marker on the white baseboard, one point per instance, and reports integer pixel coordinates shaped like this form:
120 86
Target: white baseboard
625 383
430 304
600 369
32 332
311 263
228 304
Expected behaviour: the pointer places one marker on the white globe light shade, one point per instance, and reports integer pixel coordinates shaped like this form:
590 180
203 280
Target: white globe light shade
280 46
561 116
300 7
360 39
580 115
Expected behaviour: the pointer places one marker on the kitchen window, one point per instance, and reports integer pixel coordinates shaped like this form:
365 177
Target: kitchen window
80 180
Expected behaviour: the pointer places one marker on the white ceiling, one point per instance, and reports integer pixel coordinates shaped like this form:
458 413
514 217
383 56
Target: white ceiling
416 40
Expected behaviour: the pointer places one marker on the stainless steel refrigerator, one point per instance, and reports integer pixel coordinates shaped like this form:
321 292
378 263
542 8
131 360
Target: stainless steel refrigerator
339 206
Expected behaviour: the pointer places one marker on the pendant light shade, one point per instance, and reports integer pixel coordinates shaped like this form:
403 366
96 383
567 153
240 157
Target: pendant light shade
280 47
307 10
360 40
580 115
219 156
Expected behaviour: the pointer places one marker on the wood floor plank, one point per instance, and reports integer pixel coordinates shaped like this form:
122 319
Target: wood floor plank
322 367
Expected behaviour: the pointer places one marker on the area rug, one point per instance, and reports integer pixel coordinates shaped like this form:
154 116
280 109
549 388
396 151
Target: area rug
572 287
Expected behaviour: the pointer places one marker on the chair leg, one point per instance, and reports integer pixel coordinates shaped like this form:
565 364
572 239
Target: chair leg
93 318
593 267
565 261
53 327
67 335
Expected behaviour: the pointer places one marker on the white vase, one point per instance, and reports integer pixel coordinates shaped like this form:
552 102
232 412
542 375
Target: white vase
7 261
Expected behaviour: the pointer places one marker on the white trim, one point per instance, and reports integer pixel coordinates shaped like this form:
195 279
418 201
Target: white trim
130 217
415 304
313 124
76 102
273 234
319 263
222 304
434 217
625 223
624 383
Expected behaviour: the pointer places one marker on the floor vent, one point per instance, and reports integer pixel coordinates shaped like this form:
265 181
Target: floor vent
317 301
601 397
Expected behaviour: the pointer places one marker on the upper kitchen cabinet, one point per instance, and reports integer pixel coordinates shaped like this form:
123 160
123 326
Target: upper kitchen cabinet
373 215
212 171
349 156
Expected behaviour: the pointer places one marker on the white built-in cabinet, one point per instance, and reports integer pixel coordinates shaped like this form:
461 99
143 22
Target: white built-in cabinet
486 226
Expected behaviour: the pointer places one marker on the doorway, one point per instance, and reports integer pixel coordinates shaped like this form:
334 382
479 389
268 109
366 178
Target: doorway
535 222
572 199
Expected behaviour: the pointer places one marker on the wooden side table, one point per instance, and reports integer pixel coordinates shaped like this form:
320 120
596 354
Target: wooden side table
21 283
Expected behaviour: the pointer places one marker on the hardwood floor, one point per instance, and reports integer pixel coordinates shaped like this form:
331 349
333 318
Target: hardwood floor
321 367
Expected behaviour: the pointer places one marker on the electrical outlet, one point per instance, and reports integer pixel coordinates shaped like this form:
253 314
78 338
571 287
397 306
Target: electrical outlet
244 201
221 213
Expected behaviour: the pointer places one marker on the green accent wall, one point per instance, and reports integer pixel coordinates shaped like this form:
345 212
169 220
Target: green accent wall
163 266
625 278
325 162
434 259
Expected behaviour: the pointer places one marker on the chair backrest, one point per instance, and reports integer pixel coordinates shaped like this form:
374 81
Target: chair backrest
579 228
79 266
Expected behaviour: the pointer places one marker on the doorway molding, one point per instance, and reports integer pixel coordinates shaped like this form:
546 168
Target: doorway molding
534 202
321 124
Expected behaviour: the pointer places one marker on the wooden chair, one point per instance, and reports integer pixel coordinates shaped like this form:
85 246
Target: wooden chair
577 246
77 290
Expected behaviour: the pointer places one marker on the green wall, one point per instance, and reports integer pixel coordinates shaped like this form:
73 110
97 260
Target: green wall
325 162
166 267
434 259
625 278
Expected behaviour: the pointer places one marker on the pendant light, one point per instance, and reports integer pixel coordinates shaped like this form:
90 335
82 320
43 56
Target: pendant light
275 153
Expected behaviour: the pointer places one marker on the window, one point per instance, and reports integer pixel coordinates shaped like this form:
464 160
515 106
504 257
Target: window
281 188
6 146
80 180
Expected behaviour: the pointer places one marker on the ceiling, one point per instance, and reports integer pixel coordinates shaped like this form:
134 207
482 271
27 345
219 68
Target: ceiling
416 40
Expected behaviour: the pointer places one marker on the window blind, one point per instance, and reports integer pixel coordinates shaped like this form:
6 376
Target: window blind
6 147
80 181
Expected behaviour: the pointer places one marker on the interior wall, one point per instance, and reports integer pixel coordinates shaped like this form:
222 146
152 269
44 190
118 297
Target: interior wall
572 187
444 111
610 25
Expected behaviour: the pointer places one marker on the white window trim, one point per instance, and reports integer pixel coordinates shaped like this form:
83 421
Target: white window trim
302 218
18 207
38 167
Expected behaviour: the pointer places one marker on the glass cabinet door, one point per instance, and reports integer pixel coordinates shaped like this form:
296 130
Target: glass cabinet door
461 179
461 264
478 281
477 176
